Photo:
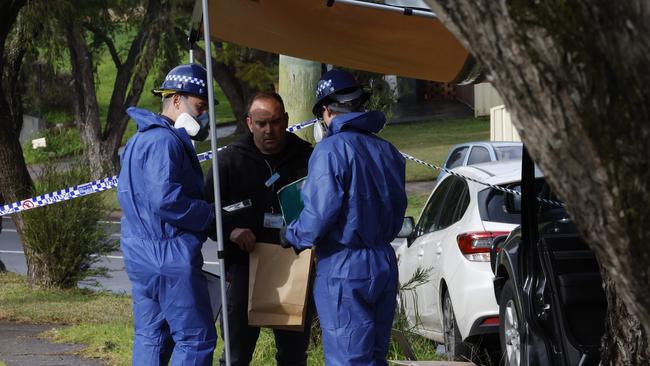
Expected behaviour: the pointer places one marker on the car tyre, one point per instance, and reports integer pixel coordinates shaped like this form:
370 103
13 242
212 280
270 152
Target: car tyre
510 326
455 348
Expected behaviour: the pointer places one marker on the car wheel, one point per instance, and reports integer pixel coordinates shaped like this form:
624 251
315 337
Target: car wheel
454 346
510 319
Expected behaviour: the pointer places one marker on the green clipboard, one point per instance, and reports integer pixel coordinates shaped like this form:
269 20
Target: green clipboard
290 197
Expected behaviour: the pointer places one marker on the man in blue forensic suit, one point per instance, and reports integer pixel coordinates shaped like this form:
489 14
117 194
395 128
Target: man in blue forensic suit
164 224
354 206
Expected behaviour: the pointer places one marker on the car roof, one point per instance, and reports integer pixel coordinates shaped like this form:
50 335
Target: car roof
496 172
491 143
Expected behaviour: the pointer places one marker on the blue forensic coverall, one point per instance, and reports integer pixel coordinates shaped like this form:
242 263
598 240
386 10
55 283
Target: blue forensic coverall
164 224
354 207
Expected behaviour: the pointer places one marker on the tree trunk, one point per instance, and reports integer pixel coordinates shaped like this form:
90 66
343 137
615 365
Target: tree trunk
86 108
625 342
15 182
574 76
101 146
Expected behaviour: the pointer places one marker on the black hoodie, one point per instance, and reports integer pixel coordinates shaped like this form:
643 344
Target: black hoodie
243 171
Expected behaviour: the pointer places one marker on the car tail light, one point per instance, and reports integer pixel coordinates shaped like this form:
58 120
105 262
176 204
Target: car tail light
490 321
476 246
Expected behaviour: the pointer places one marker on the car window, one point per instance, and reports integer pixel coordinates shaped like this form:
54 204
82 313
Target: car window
508 152
478 154
456 157
432 209
455 204
552 219
492 207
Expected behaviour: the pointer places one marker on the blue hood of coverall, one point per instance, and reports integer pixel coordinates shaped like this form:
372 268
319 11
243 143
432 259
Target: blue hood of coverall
353 157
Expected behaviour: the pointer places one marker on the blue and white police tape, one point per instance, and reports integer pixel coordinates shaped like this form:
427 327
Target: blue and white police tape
499 188
60 196
208 154
111 182
302 125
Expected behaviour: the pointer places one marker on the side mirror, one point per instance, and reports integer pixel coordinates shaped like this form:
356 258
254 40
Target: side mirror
512 203
407 227
497 243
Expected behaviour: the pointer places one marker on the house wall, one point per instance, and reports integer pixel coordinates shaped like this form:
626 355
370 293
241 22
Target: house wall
501 128
485 97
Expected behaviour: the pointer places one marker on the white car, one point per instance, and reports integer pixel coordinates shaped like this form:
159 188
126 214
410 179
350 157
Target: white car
453 238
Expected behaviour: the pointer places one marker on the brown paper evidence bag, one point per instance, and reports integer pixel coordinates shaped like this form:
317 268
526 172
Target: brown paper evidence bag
278 286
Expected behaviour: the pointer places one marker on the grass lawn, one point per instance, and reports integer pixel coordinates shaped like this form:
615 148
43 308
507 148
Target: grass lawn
415 203
430 141
103 322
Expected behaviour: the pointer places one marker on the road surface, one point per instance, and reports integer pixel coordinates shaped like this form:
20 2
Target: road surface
11 253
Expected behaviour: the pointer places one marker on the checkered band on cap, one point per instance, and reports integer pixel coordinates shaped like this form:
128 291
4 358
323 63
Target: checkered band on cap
323 87
184 79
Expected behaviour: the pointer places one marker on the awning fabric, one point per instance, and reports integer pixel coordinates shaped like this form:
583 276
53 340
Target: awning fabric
344 35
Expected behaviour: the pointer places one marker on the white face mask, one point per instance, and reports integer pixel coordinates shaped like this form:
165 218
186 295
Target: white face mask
320 131
197 127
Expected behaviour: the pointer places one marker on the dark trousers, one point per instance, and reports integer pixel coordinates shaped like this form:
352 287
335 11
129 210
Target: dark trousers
291 346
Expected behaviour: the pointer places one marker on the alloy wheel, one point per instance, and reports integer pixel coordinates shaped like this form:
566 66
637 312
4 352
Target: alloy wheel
511 333
449 329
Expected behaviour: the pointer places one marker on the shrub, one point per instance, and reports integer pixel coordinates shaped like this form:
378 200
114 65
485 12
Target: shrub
64 240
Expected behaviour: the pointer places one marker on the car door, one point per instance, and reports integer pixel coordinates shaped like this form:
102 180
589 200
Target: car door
440 239
413 256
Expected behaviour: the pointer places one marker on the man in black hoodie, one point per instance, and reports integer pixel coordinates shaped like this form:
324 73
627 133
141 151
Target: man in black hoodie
251 171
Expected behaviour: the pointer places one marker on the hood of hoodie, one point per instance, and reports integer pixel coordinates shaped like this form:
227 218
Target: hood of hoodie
145 119
372 121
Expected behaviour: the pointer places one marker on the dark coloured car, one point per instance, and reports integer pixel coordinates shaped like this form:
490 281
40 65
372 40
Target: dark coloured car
547 284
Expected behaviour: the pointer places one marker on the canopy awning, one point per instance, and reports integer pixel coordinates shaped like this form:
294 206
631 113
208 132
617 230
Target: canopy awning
345 34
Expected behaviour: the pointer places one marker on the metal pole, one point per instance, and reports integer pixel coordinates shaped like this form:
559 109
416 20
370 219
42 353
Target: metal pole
215 176
191 56
393 8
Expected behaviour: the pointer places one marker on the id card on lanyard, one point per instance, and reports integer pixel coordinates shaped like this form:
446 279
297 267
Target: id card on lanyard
272 220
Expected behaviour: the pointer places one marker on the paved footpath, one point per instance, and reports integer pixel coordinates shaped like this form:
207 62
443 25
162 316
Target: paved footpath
418 188
20 346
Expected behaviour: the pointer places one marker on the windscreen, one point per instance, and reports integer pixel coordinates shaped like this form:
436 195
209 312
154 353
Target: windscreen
508 152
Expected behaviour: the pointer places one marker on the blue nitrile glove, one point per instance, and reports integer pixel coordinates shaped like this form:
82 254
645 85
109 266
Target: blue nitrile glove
284 242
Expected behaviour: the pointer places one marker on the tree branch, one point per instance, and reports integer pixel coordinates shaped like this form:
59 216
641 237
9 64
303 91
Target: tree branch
86 109
108 41
126 74
8 15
